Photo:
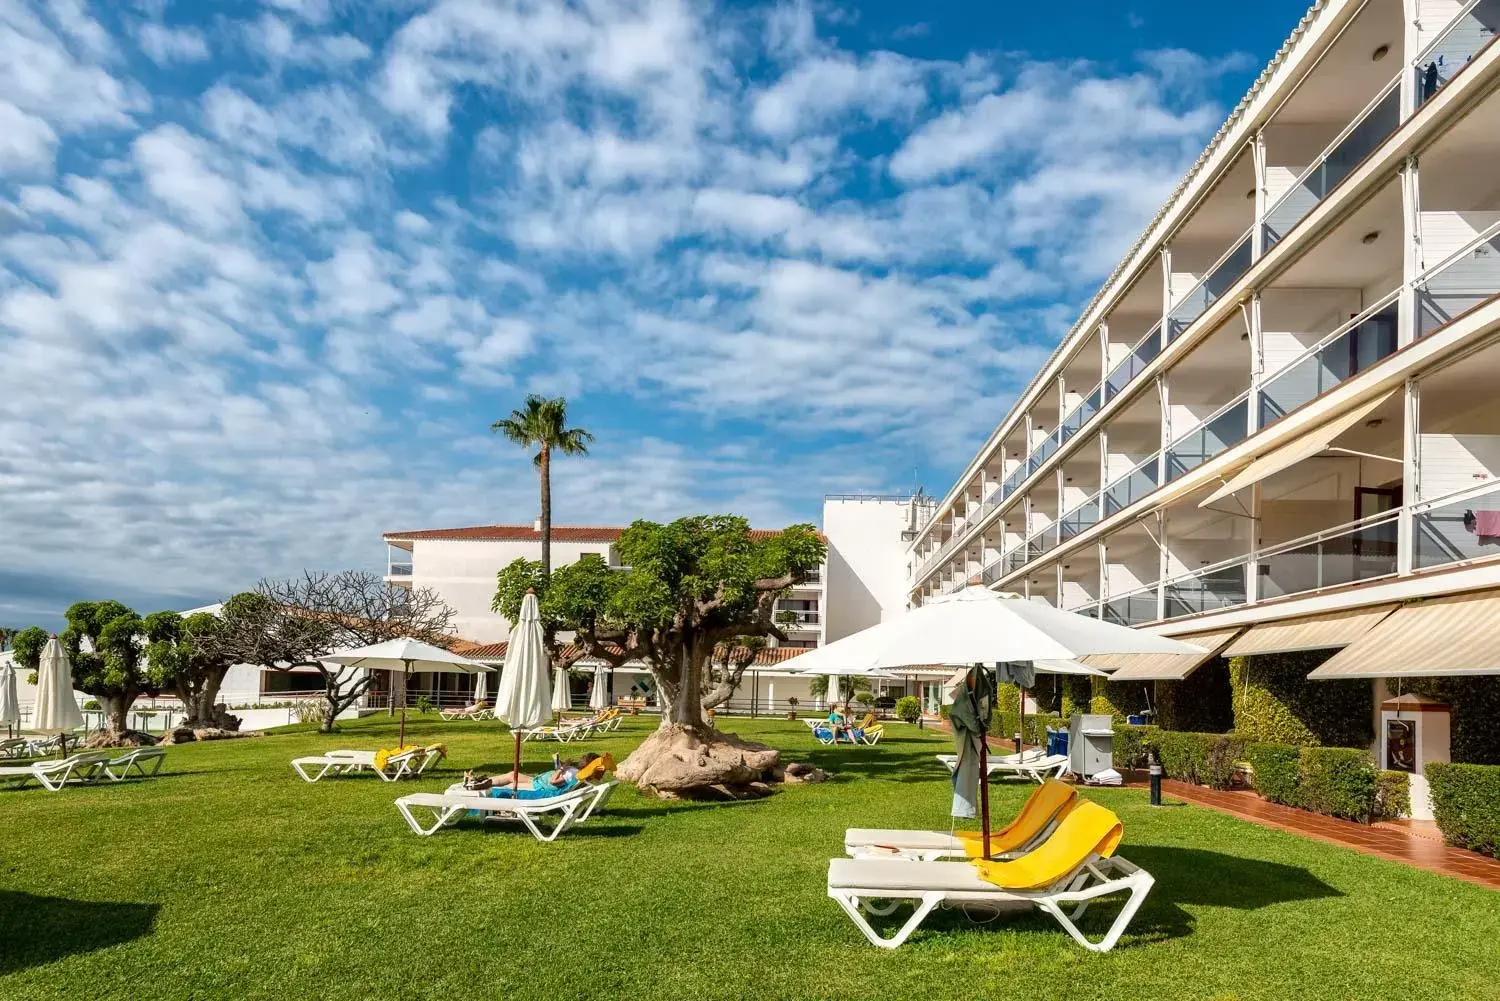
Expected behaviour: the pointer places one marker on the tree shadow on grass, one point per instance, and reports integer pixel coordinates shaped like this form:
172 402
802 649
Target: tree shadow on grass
39 930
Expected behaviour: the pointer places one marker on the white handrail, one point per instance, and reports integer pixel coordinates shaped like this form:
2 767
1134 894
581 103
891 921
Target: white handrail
1454 497
1369 521
1334 144
1212 270
1338 332
1485 236
1442 36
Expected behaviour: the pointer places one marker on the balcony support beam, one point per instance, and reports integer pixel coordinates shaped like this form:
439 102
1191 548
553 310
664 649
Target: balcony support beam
1411 475
1410 40
1258 232
1412 263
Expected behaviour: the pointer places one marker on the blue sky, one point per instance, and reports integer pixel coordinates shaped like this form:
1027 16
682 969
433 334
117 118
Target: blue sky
269 270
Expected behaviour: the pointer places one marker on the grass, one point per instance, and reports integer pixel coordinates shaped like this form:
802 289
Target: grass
227 877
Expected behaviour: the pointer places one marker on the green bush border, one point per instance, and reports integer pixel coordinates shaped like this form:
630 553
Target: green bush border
1466 804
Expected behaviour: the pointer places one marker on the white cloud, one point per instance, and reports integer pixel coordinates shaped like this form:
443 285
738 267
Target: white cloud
42 73
27 142
167 45
817 91
177 167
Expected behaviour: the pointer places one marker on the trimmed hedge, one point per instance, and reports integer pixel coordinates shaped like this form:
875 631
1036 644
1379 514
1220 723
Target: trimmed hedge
1275 767
1200 703
1392 795
1476 706
1274 702
1077 695
1466 803
1335 781
1117 699
1133 744
1003 725
1200 758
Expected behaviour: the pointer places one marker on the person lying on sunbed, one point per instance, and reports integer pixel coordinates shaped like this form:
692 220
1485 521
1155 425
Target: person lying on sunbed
563 777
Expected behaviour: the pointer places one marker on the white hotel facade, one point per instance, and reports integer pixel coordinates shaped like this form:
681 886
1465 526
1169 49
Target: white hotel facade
1283 402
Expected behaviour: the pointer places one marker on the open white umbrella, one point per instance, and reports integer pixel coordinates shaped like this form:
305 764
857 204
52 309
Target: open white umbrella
406 656
56 709
977 626
522 699
599 694
10 704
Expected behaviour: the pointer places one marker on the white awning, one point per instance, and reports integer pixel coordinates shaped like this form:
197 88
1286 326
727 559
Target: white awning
1440 637
1294 451
1165 666
1309 632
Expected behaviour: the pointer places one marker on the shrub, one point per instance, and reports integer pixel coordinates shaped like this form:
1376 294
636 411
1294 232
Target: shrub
1200 703
309 710
1275 703
1133 745
909 708
424 705
1392 796
1466 803
1200 758
943 710
1117 698
92 705
1077 694
1338 781
1275 767
1476 704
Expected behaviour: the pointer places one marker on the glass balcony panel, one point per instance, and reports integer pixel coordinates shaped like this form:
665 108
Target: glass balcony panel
1131 609
1208 291
1347 354
1454 48
1131 487
1080 518
1459 283
399 569
1146 348
1215 587
1343 155
1458 531
1360 553
1209 439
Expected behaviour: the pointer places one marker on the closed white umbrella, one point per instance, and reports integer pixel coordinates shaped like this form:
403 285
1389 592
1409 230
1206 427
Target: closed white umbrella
562 699
482 686
406 656
522 700
599 694
56 708
10 704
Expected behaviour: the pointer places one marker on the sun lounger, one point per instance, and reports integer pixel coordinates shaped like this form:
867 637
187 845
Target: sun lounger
142 761
869 731
15 747
1073 866
1033 764
84 767
563 732
479 710
444 809
407 764
1038 817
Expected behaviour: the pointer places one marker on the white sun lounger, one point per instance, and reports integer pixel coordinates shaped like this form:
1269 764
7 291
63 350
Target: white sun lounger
565 733
54 775
135 762
467 712
408 764
443 809
15 747
880 885
1036 766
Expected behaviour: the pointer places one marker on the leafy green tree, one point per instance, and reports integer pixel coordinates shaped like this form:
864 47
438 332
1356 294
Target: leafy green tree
188 656
105 642
696 600
542 424
27 645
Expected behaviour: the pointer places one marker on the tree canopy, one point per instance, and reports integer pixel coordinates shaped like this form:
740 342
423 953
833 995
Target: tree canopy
105 641
543 424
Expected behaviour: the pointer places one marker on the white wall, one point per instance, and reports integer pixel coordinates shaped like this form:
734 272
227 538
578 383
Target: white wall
1433 18
1452 462
865 580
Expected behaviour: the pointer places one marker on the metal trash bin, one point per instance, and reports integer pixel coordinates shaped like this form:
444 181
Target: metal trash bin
1091 748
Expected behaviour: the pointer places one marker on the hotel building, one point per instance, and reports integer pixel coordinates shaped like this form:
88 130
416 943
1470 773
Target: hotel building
1276 426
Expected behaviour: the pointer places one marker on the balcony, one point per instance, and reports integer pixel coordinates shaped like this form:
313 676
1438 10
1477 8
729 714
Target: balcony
801 619
1347 150
1349 350
1078 519
1141 355
398 570
1131 487
1225 428
1362 550
1451 51
1134 609
1458 284
1456 530
1220 278
1207 590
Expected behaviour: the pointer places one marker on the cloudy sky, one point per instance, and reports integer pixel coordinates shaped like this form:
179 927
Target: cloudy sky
268 271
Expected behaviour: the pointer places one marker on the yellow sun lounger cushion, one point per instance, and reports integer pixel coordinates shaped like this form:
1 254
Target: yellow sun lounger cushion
1088 830
597 768
1051 801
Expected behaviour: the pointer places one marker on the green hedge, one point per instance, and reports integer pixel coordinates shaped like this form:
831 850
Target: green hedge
1004 724
1200 758
1274 703
1392 795
1077 695
1200 703
1117 699
1133 744
1275 768
1466 803
1336 781
1476 706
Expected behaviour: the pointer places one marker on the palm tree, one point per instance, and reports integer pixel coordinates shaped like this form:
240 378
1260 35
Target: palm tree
542 424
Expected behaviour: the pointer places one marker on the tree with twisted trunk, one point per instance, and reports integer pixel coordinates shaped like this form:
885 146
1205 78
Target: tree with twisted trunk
694 602
105 643
187 656
292 623
543 424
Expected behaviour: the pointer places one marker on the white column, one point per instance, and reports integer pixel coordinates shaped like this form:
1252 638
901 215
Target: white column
1250 313
1164 397
1411 476
1252 565
1258 233
1410 39
1161 564
1166 291
1412 263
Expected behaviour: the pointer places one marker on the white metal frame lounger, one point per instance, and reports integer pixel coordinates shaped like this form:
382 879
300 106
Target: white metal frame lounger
879 886
15 747
134 763
1037 767
445 809
467 712
564 733
407 764
53 775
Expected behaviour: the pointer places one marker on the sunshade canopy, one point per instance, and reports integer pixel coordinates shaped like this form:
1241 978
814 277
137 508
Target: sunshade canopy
523 697
1166 666
1304 447
406 654
1456 635
10 705
56 709
1308 632
980 626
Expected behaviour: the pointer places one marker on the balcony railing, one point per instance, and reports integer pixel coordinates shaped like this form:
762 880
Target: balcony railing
1133 609
1348 149
1451 51
1459 283
802 618
1349 350
1226 427
1079 518
1134 364
1361 550
1080 414
1465 526
1225 272
1131 487
1218 586
398 570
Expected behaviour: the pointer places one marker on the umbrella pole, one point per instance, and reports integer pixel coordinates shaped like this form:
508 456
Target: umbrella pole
1021 727
401 740
984 794
515 772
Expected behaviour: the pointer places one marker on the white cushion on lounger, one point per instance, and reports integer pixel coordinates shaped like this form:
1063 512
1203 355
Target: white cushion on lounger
926 841
905 874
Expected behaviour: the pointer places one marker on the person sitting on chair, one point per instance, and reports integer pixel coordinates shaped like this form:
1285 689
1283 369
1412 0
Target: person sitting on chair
563 777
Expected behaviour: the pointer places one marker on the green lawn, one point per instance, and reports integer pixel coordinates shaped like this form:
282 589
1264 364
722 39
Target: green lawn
229 878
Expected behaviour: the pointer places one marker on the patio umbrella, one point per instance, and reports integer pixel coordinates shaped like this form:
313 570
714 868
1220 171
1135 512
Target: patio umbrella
522 699
405 656
56 709
482 686
562 699
599 694
977 626
10 705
